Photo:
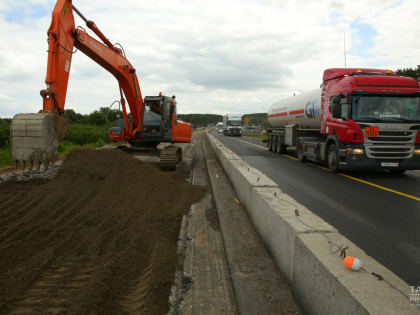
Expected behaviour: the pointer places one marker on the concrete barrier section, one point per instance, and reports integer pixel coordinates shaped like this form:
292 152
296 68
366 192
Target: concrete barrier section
323 285
273 214
245 178
223 154
306 249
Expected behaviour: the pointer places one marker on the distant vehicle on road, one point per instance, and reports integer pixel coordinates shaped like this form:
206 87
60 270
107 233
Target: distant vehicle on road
219 127
232 125
358 119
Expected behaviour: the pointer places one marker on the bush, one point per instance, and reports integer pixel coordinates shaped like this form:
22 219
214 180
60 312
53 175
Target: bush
66 147
73 117
82 134
5 156
97 117
4 132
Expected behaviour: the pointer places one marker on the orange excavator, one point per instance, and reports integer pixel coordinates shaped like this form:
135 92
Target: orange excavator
35 137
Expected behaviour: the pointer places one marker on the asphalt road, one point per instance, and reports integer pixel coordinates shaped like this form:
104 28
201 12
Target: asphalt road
380 212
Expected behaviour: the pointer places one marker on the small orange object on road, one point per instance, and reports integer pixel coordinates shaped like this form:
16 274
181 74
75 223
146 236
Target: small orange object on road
352 263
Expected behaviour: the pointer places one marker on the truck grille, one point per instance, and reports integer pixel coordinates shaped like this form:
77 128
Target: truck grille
235 131
391 144
389 139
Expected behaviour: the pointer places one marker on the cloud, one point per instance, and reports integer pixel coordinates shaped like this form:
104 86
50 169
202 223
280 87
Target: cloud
216 56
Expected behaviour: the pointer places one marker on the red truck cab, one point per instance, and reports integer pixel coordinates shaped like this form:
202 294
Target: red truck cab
372 119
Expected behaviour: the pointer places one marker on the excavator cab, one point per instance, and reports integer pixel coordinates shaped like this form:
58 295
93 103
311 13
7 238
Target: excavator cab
157 123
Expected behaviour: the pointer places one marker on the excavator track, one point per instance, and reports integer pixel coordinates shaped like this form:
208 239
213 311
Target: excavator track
169 157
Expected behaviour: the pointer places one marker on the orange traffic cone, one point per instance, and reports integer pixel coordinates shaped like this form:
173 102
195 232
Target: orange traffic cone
352 263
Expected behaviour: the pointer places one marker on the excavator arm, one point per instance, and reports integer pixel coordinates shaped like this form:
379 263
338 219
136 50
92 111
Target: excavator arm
35 137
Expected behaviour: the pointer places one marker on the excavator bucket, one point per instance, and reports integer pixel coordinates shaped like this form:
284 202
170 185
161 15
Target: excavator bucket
35 138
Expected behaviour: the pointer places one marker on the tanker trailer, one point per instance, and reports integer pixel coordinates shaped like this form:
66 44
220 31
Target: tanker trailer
358 119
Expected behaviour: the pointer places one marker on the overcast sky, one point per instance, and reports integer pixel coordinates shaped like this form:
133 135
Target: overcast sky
219 56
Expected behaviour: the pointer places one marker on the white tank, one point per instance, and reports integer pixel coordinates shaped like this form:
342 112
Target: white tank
303 109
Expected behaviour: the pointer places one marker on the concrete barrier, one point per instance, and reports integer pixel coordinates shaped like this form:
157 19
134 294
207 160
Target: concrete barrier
274 216
306 249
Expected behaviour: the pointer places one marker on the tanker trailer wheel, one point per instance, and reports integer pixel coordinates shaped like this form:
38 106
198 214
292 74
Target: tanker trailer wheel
299 152
333 158
280 147
274 144
270 143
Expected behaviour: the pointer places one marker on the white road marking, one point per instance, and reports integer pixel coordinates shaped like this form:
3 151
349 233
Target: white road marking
255 145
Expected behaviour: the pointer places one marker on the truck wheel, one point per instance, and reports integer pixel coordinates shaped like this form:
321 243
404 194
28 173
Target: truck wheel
333 158
274 144
280 146
270 143
299 152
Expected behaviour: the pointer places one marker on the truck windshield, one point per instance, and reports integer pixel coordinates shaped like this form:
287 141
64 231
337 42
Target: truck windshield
386 108
234 122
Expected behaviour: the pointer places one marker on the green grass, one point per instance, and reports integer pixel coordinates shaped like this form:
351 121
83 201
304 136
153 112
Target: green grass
66 147
86 134
81 136
255 136
5 156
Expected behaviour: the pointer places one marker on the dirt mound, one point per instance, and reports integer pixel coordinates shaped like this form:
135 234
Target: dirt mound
99 238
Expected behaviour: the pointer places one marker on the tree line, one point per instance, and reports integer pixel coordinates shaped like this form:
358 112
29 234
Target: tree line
409 72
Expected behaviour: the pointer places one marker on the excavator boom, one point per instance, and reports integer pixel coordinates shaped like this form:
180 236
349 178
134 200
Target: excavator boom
35 137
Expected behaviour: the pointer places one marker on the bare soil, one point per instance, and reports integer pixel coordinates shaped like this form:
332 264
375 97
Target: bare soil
99 238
